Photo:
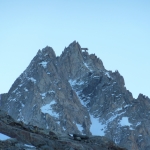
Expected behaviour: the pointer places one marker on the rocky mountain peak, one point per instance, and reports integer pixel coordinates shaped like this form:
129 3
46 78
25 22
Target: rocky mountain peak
74 93
75 45
73 50
77 62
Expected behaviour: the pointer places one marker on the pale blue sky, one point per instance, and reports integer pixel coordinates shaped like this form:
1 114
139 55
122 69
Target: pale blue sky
118 32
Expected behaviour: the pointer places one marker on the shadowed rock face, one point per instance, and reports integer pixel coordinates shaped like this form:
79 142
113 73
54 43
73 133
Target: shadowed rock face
30 137
74 93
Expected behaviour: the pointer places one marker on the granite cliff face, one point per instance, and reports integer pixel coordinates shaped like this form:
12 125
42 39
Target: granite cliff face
74 93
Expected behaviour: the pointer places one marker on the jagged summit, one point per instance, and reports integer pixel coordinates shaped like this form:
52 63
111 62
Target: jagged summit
75 44
74 93
47 51
75 47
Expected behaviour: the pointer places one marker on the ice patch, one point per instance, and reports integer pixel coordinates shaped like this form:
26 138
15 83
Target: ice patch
49 110
44 64
97 128
4 137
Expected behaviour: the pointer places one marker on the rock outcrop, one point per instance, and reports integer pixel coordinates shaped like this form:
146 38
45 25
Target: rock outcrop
74 93
28 137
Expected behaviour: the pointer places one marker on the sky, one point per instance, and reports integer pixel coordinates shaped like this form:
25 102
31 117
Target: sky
118 32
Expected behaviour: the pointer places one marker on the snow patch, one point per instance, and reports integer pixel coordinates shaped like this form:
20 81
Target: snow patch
114 117
43 95
26 89
29 146
4 137
22 105
13 99
125 122
140 135
51 92
96 77
107 74
127 106
87 66
20 85
32 80
47 126
97 128
138 124
81 101
49 110
20 117
33 106
73 83
118 109
44 64
80 128
15 90
80 83
119 95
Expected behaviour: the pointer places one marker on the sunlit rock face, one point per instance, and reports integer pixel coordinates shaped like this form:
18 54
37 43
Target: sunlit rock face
74 93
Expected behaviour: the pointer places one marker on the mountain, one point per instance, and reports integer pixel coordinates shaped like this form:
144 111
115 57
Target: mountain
74 93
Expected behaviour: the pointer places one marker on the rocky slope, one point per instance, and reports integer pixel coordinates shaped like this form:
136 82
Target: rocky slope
28 137
74 93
